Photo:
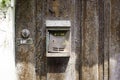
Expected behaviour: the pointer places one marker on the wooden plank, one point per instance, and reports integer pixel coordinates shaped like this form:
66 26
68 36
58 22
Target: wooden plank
40 41
106 38
58 8
114 46
101 39
24 18
78 39
90 29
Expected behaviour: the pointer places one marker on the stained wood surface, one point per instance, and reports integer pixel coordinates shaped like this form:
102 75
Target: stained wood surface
25 63
58 8
40 40
114 45
106 39
95 45
90 34
62 68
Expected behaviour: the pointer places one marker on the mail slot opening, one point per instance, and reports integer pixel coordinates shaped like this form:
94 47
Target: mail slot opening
58 33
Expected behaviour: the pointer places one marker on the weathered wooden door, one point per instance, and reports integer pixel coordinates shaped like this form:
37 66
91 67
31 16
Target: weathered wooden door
31 15
94 53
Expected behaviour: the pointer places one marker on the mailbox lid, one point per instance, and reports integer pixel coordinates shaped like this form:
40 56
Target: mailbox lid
60 23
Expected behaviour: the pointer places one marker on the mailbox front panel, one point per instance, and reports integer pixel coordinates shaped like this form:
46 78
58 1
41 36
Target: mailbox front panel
58 41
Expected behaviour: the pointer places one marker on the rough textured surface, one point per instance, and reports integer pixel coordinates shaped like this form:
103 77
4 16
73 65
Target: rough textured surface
40 39
114 45
25 62
106 38
90 37
94 38
58 8
61 68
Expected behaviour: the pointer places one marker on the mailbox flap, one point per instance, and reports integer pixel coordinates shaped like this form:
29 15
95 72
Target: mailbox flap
58 23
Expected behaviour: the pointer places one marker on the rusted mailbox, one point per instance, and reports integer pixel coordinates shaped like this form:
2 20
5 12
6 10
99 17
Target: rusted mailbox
58 38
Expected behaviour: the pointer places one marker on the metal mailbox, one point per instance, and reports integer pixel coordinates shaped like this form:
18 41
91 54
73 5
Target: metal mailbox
58 39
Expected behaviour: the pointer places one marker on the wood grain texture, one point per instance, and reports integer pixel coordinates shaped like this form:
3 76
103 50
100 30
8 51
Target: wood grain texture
40 41
58 69
106 38
78 39
101 40
115 40
90 27
58 8
24 18
95 40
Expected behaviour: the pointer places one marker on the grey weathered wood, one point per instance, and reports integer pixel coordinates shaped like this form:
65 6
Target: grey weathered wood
40 57
101 40
114 44
90 27
25 65
60 10
78 39
106 38
95 40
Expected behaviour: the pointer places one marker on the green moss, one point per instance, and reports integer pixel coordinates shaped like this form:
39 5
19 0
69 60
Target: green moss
4 3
